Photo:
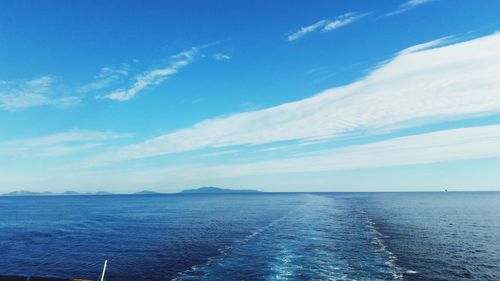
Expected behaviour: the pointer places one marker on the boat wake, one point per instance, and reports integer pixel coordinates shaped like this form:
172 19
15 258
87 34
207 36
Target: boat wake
322 239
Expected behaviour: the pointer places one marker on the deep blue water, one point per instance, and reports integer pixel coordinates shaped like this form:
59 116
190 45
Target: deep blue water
296 236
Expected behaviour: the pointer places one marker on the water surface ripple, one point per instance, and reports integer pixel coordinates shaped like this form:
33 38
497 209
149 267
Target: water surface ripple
287 236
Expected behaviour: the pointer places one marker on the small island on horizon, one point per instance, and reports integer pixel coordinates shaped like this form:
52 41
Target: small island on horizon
47 193
217 190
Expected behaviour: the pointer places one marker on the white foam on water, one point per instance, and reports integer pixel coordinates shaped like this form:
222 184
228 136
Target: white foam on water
377 239
284 269
226 250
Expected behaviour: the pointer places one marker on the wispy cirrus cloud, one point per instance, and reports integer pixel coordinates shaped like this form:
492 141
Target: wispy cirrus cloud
220 153
417 87
326 25
17 95
221 56
45 90
57 144
408 5
105 78
154 76
343 20
307 29
441 146
428 45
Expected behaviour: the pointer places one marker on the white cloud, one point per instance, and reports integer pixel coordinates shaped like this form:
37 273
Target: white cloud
442 146
219 153
56 144
343 20
154 76
37 92
409 5
415 88
326 25
428 45
105 78
17 95
307 29
221 56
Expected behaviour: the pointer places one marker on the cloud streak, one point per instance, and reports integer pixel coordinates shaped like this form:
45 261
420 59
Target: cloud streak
105 78
41 91
442 146
57 144
409 5
307 29
221 57
45 90
343 20
326 25
428 45
154 77
420 87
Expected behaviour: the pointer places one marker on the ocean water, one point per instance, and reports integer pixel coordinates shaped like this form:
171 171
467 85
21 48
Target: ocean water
286 236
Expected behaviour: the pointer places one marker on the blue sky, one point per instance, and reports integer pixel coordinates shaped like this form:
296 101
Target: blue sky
323 96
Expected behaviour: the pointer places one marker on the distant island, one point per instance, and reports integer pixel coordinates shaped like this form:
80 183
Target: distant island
147 192
65 193
217 190
200 190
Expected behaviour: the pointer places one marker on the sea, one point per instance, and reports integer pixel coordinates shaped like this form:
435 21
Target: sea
259 236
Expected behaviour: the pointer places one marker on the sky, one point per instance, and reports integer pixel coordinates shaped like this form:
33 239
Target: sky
326 95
